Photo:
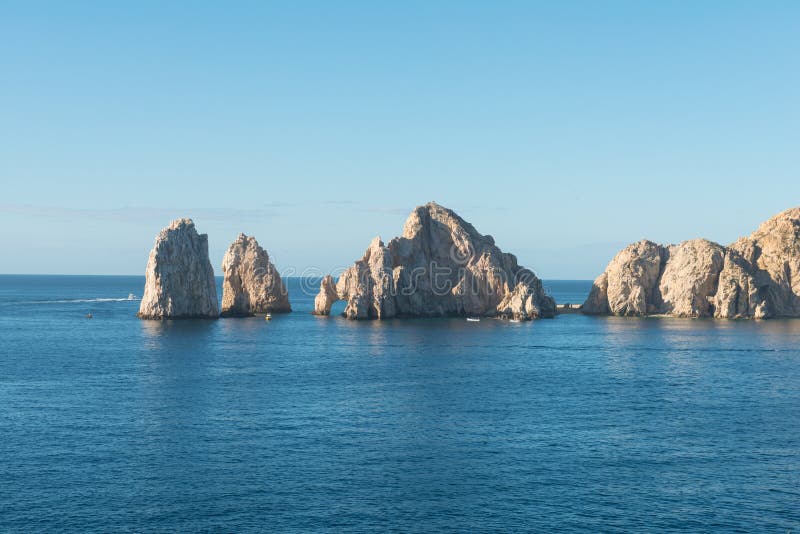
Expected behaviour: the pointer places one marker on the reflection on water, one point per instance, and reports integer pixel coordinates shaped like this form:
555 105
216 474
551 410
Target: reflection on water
693 333
176 334
246 327
685 352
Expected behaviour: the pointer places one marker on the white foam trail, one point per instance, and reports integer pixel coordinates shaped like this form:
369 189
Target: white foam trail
68 301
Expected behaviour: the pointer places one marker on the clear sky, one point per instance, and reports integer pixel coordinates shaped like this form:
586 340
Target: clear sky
564 129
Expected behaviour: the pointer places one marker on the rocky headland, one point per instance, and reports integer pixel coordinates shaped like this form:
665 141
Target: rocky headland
440 266
251 283
179 281
755 277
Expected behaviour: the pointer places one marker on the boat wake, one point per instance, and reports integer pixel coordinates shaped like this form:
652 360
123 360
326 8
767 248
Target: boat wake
130 297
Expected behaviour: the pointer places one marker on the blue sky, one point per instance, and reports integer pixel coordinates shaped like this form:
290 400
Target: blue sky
564 129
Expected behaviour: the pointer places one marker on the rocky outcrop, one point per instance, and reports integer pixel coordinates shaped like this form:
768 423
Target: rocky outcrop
251 283
738 294
326 297
179 281
761 278
688 283
755 277
440 266
629 283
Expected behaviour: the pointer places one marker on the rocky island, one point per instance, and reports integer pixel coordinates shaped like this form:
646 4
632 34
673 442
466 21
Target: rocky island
251 283
440 266
755 277
179 281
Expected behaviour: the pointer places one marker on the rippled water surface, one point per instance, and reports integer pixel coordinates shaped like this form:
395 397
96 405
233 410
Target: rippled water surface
307 423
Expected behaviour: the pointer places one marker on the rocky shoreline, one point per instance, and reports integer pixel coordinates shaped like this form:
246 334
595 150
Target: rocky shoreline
442 266
756 277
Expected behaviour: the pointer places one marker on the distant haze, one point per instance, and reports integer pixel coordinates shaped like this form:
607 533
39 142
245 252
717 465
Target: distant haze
563 129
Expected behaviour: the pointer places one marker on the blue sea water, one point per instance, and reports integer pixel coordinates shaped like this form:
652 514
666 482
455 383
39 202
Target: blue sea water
307 423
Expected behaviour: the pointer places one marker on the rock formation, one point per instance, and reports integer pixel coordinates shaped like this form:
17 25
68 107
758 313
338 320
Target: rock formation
251 283
755 277
689 279
179 281
326 297
761 278
440 266
627 286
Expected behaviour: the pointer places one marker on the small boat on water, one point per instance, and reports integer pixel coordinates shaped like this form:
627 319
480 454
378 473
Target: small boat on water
513 320
268 317
473 320
131 296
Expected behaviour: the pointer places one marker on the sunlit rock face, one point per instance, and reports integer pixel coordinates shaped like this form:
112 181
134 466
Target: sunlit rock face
689 280
179 281
251 283
628 286
761 278
755 277
326 297
440 266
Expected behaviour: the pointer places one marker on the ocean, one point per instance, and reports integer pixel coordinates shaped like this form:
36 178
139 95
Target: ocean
308 423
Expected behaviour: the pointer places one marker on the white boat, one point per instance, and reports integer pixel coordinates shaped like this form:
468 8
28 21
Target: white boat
513 320
268 317
473 319
131 296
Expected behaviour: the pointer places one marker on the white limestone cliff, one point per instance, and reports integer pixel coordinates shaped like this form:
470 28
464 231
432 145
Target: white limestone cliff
179 281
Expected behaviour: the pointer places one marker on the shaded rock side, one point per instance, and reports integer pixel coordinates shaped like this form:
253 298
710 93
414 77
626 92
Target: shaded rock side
440 266
755 277
179 281
251 283
738 295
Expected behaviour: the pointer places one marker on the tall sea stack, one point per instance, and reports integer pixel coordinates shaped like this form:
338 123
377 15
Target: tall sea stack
179 280
251 282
